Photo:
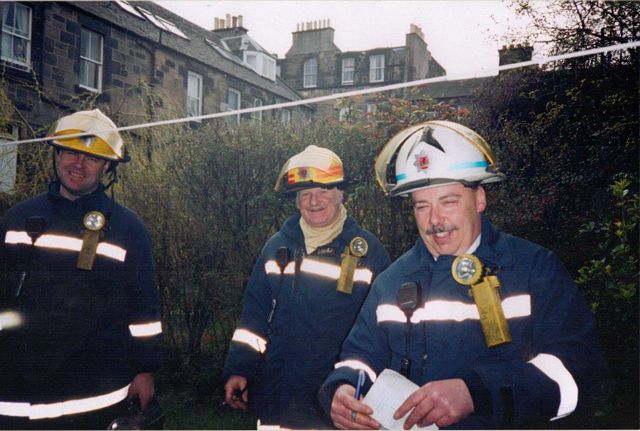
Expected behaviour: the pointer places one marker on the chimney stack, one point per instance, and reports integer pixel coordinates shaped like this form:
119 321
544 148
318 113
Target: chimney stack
515 54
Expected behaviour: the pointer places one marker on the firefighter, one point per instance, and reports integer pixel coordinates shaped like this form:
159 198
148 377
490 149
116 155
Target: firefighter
302 298
79 314
490 327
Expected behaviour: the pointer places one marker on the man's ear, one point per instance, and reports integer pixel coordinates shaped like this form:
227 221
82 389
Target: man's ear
481 199
106 167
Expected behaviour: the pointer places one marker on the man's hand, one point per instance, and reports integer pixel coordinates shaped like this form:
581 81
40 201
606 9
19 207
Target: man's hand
443 402
343 407
144 387
234 386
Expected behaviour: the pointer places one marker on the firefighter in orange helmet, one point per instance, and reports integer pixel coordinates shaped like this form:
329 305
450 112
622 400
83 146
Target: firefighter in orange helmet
302 298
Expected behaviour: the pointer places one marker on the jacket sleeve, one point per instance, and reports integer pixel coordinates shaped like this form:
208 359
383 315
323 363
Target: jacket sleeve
249 341
365 348
565 359
144 323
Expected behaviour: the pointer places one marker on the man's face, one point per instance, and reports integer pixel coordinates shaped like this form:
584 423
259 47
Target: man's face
319 207
448 217
79 173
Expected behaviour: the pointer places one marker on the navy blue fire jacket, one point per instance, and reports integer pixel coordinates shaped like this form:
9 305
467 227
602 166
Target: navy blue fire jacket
73 339
294 321
541 375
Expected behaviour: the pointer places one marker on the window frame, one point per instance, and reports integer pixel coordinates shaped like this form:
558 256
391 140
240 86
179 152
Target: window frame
284 116
375 69
11 33
310 75
234 119
351 70
257 115
88 60
200 94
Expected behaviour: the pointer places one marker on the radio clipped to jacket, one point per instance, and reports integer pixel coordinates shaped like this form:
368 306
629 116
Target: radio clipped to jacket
469 271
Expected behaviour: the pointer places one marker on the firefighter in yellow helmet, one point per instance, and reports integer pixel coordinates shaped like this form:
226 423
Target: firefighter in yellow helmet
302 298
78 278
490 328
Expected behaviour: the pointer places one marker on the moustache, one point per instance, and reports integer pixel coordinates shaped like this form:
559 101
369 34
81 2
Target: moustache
440 229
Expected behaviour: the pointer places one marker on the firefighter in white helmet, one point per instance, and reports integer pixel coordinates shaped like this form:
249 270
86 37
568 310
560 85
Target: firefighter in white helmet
302 298
77 272
491 328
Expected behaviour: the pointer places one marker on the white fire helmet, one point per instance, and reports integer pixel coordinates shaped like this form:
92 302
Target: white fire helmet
103 140
435 153
313 167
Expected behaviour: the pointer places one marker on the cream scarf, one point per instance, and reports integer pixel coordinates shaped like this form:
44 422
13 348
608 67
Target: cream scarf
315 237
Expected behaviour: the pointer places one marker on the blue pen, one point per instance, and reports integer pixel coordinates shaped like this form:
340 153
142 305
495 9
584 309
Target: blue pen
360 384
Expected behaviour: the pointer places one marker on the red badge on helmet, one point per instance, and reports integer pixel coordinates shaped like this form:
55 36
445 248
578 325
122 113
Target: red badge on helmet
422 161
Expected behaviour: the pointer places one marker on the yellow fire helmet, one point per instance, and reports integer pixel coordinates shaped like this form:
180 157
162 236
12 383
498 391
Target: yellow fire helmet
314 167
103 140
432 154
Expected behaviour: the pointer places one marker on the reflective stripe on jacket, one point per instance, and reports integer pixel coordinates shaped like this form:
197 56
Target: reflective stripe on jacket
286 360
540 376
77 337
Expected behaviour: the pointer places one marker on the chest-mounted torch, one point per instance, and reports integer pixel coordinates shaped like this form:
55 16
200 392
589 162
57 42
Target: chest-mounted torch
469 271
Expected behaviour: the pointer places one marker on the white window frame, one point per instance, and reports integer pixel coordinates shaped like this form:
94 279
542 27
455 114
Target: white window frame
285 116
194 94
376 68
86 62
310 73
262 64
8 160
269 67
257 115
344 113
348 70
233 119
12 34
162 23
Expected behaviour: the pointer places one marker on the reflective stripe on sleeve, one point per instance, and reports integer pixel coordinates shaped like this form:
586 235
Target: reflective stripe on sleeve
62 242
145 329
358 365
254 341
69 407
553 368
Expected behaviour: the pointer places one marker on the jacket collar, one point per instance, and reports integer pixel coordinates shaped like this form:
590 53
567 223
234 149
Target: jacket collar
291 229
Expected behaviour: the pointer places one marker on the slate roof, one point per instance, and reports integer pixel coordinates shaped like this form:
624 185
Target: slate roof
202 44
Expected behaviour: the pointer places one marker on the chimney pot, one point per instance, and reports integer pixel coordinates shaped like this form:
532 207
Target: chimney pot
234 22
227 23
239 20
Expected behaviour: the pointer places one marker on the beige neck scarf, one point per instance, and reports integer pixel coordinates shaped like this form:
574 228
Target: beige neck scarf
315 237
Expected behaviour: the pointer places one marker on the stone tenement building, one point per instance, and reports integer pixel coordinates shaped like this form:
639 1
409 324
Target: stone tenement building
136 61
315 66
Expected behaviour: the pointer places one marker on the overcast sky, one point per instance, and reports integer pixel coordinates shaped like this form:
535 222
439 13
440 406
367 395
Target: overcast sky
462 35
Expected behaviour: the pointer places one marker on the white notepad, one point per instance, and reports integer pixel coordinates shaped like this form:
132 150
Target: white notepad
387 394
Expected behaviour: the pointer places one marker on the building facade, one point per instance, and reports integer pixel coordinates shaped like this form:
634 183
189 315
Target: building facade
315 66
136 61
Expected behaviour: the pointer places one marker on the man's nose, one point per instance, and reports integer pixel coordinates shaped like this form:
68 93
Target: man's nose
79 160
435 216
313 198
